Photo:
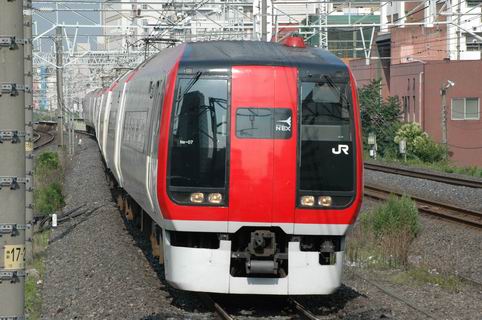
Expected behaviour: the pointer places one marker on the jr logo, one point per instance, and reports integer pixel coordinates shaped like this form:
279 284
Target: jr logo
341 148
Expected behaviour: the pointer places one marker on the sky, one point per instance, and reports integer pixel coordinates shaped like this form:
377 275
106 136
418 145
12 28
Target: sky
45 20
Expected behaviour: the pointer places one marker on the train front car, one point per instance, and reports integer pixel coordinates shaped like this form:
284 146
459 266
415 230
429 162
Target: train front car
263 173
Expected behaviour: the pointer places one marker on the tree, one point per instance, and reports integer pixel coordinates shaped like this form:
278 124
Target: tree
379 116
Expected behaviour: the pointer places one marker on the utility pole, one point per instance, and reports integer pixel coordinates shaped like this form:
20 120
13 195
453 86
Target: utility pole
443 117
457 32
60 88
28 130
12 160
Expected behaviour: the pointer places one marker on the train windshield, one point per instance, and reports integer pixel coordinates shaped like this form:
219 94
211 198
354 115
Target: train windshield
326 155
199 133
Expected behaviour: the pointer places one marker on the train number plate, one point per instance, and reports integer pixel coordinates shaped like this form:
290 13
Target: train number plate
14 257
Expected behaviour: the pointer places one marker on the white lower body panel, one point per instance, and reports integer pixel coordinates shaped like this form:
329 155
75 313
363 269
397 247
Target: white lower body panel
207 270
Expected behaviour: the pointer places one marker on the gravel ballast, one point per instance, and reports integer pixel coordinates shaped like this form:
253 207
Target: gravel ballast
442 245
94 269
470 198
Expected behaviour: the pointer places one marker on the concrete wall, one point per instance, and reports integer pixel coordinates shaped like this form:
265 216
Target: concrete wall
365 73
406 82
464 136
418 43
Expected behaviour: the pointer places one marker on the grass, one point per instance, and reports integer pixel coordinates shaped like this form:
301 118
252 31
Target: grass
421 276
33 297
49 174
381 241
383 235
48 198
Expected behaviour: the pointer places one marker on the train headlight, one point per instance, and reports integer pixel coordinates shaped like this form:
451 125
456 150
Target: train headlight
215 198
197 197
307 201
324 201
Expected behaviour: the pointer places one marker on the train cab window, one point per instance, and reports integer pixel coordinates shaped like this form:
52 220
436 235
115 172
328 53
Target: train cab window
326 155
199 134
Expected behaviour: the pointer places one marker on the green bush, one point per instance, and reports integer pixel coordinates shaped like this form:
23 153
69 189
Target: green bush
419 144
397 214
48 161
428 151
384 234
49 199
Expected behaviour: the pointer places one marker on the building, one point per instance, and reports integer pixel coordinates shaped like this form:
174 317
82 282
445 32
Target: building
128 25
415 61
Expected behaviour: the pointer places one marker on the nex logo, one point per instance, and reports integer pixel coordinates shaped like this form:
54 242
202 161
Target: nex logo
341 148
280 127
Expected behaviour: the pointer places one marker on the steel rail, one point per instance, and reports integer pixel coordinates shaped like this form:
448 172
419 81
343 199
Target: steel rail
301 310
431 207
42 134
37 137
458 181
212 304
395 296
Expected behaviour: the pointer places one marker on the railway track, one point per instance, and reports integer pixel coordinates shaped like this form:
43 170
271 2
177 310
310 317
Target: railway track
454 180
42 139
301 311
435 208
36 137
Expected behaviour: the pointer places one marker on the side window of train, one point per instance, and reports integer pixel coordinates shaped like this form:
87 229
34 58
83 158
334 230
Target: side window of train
135 124
157 112
112 119
151 90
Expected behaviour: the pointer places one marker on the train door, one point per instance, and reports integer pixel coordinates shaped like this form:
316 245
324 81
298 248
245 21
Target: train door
119 133
157 90
263 146
105 125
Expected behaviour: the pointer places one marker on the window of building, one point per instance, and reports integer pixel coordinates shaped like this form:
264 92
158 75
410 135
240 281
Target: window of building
414 108
408 108
465 109
144 6
473 43
473 3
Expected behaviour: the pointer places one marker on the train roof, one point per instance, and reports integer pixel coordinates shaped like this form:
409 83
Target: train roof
222 54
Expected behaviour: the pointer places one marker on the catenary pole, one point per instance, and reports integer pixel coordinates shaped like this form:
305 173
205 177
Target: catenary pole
12 160
60 92
28 129
264 20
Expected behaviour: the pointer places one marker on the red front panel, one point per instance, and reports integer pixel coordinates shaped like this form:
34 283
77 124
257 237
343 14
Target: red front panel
262 181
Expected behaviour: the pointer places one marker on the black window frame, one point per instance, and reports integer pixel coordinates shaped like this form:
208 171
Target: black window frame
204 75
317 193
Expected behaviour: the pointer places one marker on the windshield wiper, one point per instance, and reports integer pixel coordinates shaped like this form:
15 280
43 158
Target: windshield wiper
191 83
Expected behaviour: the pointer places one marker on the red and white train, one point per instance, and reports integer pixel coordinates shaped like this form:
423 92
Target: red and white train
246 155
